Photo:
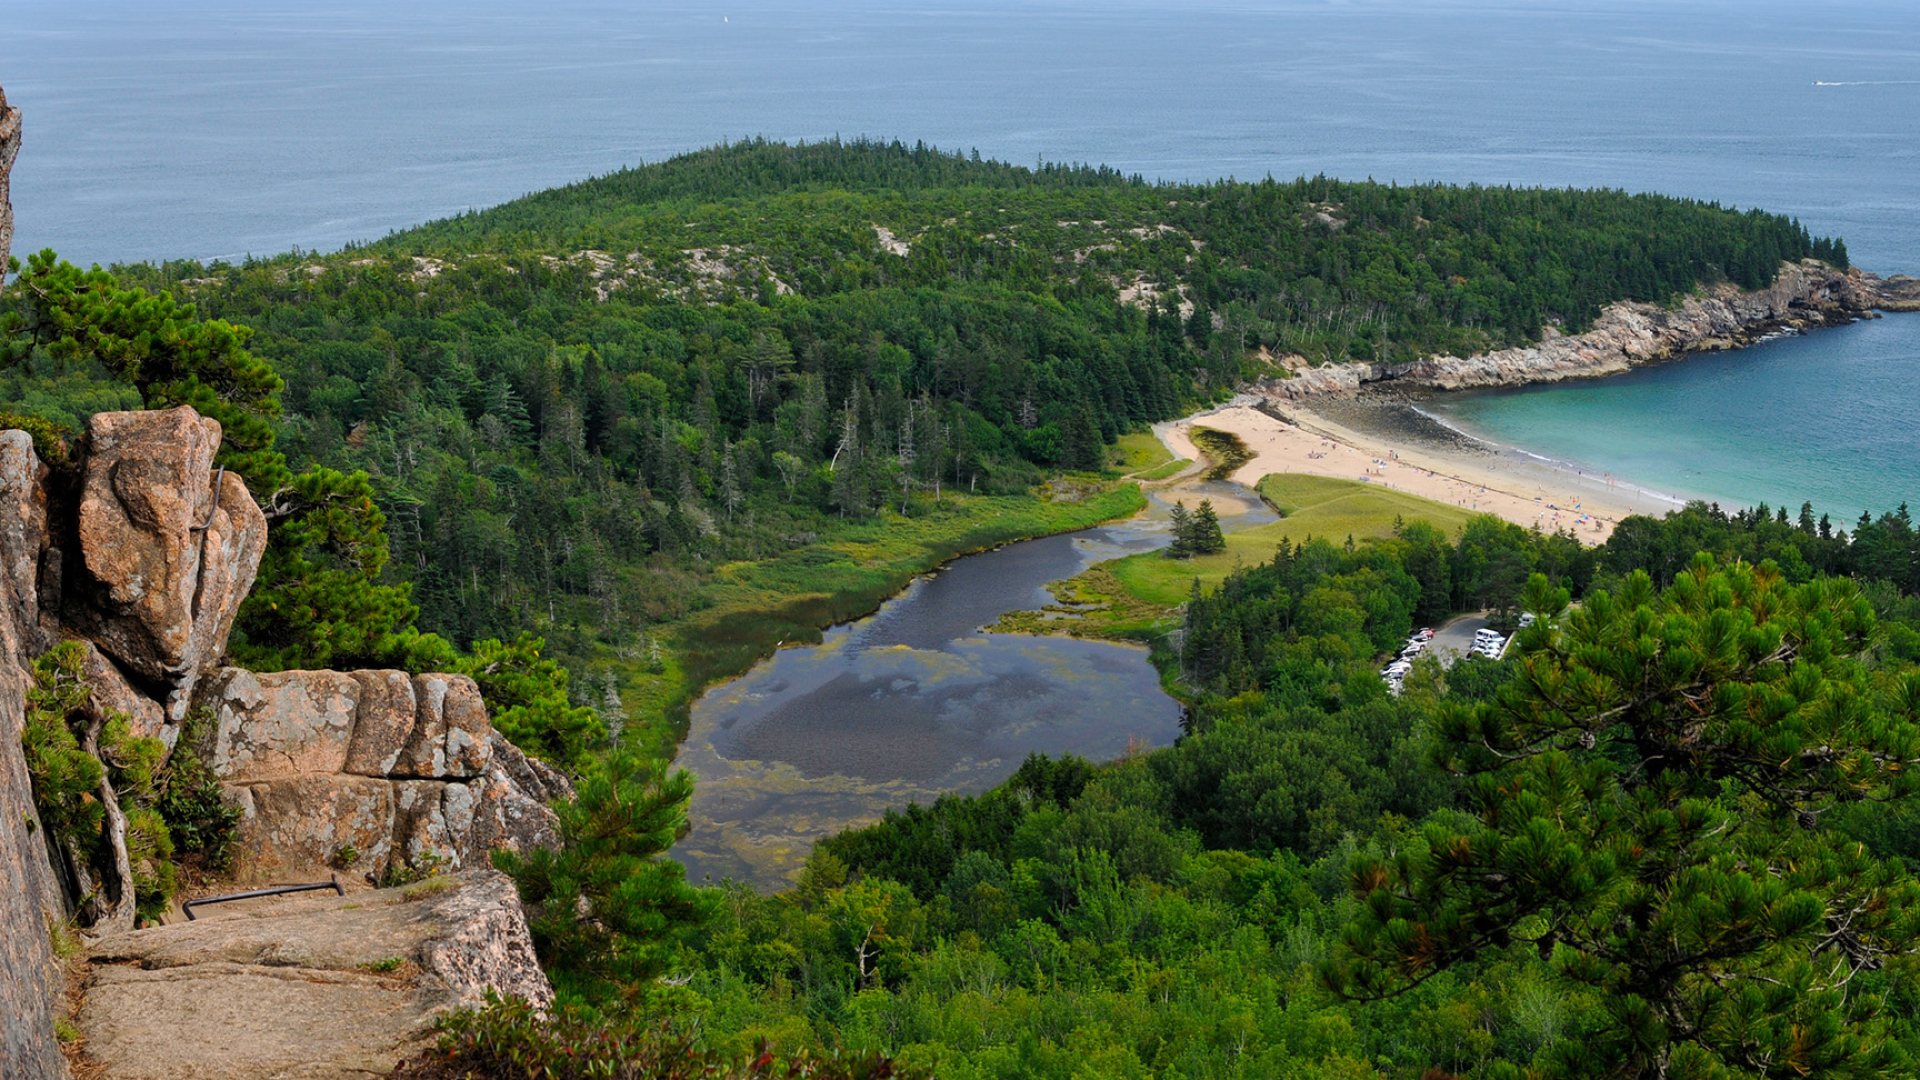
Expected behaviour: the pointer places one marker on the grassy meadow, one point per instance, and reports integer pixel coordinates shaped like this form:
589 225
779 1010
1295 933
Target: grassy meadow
1137 597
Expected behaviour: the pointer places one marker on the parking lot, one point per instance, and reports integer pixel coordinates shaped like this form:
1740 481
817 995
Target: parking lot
1450 642
1454 639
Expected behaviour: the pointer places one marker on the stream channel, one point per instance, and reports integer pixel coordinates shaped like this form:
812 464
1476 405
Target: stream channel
916 700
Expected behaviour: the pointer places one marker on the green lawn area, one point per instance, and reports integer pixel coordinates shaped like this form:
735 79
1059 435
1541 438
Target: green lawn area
1136 451
1163 470
1315 506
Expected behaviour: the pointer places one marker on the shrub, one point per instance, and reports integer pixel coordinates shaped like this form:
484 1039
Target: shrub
196 810
49 438
507 1039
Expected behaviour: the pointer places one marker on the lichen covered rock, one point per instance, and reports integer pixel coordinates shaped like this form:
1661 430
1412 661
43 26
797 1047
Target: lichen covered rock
297 828
281 724
391 766
450 730
383 726
30 898
23 539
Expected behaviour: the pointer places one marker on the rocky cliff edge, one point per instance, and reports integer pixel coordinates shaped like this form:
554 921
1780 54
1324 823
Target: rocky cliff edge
1628 335
305 989
9 150
142 550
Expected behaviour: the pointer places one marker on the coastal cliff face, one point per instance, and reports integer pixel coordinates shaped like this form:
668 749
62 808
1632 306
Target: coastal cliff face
29 892
9 149
1627 335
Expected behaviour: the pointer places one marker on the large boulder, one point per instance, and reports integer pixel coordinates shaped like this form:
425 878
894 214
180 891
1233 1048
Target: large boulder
388 766
306 988
279 725
510 802
450 730
167 553
383 725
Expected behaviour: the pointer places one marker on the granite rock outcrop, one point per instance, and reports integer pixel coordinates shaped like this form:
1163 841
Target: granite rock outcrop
1628 335
367 770
142 549
168 547
145 556
30 893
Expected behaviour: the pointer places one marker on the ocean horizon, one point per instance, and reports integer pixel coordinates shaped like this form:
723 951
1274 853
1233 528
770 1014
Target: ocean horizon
216 129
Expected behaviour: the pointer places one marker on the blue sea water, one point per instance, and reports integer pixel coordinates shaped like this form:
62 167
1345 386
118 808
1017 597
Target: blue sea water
1826 417
218 128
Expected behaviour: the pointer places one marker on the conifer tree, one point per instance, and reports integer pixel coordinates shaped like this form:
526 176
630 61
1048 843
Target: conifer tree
1080 439
1647 798
1205 537
160 348
607 911
1182 546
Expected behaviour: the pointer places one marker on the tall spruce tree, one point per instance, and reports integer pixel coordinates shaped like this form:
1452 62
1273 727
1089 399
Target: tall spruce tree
1647 800
1204 535
1182 546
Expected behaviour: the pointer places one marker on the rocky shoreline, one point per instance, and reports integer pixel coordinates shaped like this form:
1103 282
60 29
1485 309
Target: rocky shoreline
1628 335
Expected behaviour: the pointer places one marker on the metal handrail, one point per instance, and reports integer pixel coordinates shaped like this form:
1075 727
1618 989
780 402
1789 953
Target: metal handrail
276 890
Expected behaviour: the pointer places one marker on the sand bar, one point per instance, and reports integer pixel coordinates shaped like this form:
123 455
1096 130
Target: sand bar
1524 492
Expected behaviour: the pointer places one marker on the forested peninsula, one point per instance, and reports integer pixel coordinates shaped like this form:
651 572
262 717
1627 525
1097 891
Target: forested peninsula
670 416
651 425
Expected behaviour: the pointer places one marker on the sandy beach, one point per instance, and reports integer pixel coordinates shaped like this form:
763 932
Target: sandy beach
1526 492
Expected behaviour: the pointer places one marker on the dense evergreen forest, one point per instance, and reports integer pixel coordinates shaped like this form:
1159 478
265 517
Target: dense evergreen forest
1670 833
576 410
1667 835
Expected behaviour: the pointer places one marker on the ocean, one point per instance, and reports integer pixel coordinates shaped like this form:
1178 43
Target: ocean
209 129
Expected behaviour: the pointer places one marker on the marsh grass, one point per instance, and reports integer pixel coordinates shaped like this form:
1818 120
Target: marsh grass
1164 470
1138 598
749 609
1224 451
1314 506
1138 450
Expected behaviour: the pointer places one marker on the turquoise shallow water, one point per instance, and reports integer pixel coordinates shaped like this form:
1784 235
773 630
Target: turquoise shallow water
1829 417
